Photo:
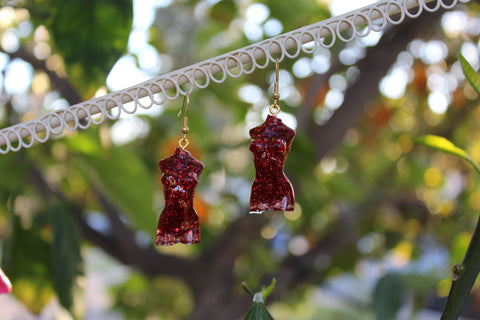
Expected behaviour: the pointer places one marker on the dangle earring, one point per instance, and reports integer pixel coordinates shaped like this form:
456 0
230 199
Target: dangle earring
178 221
271 142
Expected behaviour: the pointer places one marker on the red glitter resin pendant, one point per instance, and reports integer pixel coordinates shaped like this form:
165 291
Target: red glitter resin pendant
271 189
178 221
5 284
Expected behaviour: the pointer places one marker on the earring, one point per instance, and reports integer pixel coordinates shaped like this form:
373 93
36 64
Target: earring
271 142
178 221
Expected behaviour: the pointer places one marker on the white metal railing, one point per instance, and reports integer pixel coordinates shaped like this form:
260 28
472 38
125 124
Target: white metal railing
233 64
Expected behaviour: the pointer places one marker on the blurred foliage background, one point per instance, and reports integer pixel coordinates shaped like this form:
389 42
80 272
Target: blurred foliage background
378 222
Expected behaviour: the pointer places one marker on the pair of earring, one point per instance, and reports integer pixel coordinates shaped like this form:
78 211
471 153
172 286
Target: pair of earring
271 189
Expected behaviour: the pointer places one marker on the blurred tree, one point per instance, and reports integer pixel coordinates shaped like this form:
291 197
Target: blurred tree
377 223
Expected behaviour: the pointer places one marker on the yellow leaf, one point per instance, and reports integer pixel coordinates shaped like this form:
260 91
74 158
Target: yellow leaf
441 144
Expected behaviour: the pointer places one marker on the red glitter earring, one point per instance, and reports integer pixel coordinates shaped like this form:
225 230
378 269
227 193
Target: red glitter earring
271 142
178 222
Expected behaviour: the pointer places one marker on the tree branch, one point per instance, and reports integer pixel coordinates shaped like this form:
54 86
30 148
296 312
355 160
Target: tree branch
147 259
463 279
295 271
120 243
64 87
216 267
365 89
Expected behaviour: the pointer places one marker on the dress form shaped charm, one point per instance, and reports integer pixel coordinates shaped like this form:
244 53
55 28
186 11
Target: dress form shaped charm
271 142
271 189
178 222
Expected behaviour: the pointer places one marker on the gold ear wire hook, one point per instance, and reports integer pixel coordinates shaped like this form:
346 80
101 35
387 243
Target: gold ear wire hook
275 108
185 98
183 142
277 76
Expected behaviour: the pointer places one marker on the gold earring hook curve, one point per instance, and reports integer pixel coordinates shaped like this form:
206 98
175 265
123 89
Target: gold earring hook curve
275 108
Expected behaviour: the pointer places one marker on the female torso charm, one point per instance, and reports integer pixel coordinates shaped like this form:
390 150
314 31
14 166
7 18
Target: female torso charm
271 189
179 221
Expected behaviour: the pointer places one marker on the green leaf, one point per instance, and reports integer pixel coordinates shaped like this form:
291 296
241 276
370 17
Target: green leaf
388 297
441 144
268 290
224 12
91 35
258 312
177 304
247 289
14 168
65 255
120 175
28 266
444 145
469 73
420 284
